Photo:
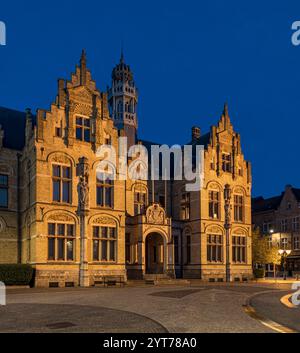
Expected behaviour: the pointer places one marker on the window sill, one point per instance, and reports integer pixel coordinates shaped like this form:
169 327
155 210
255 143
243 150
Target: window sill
62 203
61 262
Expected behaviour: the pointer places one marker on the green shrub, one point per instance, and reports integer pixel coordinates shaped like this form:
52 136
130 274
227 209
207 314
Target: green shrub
259 273
16 274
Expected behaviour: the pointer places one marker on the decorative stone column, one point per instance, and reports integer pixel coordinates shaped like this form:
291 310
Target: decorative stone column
227 226
83 212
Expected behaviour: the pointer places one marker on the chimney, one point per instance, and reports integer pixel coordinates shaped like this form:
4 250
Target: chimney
196 133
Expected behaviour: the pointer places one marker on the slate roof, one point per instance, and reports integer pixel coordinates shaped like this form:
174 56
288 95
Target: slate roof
13 124
259 204
296 192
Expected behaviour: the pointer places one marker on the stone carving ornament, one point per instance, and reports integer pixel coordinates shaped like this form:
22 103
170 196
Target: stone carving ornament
155 214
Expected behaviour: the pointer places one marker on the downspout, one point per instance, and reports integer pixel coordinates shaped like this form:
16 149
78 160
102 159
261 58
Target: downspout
19 229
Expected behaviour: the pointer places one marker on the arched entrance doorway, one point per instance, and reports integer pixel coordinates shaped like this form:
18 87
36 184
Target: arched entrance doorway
155 256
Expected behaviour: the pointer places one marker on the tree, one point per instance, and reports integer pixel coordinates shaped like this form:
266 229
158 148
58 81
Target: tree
262 252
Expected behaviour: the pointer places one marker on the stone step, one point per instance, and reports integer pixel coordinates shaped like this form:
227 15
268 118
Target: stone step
172 282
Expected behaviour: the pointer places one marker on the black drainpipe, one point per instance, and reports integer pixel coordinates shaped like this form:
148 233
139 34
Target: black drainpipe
19 230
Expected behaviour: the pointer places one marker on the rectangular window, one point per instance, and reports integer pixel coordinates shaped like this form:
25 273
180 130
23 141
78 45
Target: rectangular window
104 243
139 202
104 191
61 240
83 129
3 190
284 225
61 183
296 224
296 243
226 162
185 206
238 208
214 248
214 204
284 243
239 249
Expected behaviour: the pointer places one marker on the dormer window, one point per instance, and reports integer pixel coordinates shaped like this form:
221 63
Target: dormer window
83 129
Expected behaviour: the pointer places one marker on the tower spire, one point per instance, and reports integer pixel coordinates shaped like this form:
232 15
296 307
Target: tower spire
122 53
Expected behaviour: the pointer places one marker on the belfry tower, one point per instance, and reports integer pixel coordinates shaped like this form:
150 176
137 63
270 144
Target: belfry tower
123 98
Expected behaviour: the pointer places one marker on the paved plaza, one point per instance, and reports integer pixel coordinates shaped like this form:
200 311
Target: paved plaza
201 307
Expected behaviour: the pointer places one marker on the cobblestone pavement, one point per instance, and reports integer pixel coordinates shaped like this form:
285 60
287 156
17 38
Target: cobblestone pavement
196 308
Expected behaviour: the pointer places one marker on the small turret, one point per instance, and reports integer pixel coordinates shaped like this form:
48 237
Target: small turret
123 98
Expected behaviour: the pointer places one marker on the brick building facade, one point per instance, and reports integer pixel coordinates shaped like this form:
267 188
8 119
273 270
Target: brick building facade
75 227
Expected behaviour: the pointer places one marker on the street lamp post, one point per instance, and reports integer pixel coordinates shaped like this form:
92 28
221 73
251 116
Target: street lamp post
227 226
284 254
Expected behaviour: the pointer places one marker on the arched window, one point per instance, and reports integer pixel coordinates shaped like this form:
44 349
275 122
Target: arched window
140 199
61 183
104 243
214 248
61 239
104 189
185 205
3 190
238 208
239 248
214 204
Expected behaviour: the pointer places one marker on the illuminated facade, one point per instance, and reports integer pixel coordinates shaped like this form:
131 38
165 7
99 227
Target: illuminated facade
76 228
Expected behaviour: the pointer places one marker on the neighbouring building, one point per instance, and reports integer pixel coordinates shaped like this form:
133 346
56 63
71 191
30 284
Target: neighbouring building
278 218
76 226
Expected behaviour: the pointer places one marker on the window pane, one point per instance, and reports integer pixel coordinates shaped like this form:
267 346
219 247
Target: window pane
96 250
56 171
78 121
103 232
61 246
70 230
51 228
66 191
99 196
67 172
112 250
87 135
61 229
87 122
79 133
3 197
56 191
112 233
108 198
70 250
104 250
51 249
96 232
3 180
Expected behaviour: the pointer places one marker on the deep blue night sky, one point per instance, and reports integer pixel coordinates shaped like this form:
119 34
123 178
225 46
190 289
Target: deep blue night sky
188 57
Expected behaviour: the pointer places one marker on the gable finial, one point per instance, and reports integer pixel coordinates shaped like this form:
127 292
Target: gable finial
225 110
83 67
